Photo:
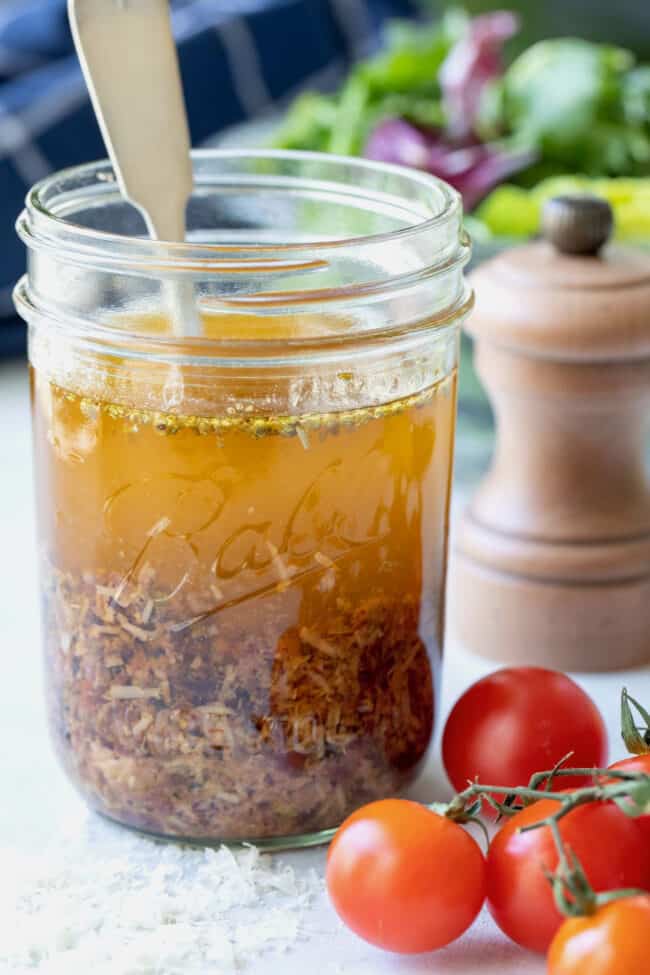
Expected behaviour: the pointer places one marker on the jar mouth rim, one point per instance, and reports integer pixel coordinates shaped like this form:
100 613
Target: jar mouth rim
41 225
253 251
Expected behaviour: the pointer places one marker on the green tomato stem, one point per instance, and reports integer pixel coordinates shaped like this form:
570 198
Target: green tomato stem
572 891
636 737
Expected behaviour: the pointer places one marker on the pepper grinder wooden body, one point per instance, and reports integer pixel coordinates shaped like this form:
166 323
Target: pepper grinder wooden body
552 559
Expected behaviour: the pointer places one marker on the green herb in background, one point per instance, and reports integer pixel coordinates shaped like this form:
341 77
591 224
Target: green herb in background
579 104
636 96
400 81
309 123
581 109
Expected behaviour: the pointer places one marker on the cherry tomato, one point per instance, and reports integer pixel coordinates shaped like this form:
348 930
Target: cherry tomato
637 763
519 721
613 941
608 844
404 878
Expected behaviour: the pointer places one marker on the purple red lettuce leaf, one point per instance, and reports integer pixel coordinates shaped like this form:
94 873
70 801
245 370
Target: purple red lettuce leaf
473 62
472 168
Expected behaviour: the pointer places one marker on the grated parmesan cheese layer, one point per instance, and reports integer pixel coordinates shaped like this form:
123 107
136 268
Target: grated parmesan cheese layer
108 902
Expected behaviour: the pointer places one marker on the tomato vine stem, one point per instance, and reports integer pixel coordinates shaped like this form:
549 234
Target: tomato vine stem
572 891
630 788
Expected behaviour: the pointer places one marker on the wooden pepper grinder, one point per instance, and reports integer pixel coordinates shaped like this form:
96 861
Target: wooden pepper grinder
552 560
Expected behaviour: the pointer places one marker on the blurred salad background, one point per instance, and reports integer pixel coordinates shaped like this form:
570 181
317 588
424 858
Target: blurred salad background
507 130
509 123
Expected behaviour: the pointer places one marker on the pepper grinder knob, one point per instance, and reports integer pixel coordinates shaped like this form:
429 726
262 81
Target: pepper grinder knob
579 224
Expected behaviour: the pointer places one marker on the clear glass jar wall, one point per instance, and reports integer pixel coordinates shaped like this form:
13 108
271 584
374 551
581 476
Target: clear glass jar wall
243 533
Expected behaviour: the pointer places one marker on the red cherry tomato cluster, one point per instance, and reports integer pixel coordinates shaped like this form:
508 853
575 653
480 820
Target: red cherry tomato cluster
409 879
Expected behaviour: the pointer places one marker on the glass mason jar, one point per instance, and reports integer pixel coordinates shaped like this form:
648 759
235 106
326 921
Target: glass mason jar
244 530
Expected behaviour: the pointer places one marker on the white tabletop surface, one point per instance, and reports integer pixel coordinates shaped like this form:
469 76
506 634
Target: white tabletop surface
37 802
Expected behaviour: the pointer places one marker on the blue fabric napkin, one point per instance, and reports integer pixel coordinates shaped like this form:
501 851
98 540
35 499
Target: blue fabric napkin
239 59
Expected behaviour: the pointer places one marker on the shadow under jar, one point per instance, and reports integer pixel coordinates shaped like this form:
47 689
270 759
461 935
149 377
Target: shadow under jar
244 534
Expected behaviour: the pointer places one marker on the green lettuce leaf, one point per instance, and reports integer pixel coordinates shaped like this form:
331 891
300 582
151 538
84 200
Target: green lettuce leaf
577 104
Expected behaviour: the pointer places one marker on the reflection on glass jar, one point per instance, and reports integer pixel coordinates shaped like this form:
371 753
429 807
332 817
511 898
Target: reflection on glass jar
244 535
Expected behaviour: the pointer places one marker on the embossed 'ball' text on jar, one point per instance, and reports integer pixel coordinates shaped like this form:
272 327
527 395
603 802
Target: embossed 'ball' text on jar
243 534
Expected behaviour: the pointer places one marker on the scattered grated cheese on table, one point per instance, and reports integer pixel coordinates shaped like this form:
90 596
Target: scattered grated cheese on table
109 902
